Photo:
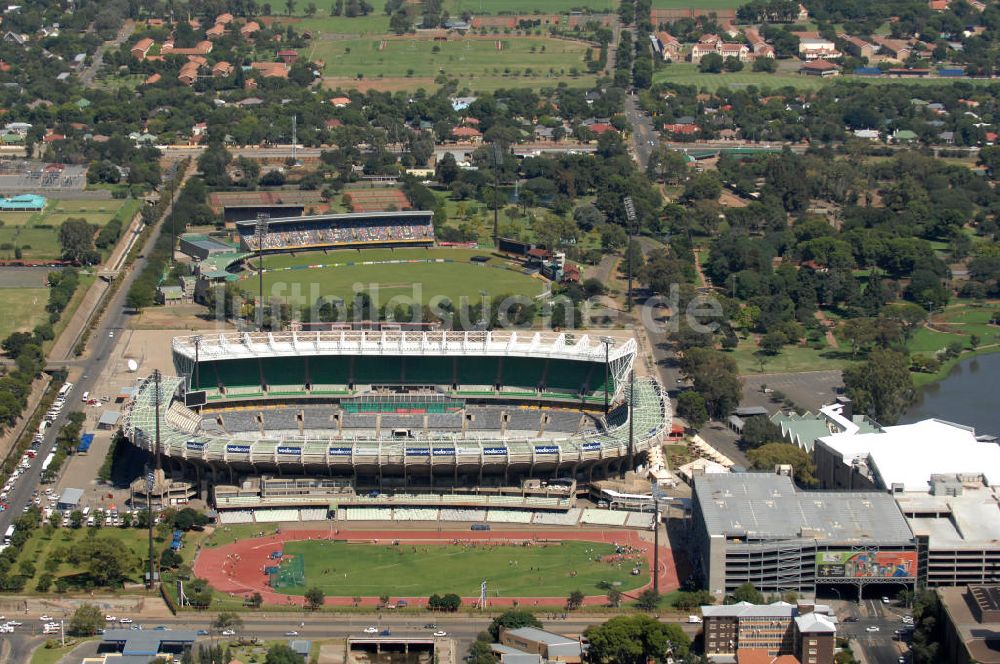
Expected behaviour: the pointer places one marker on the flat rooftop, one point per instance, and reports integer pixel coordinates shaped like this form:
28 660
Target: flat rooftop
968 520
907 455
766 506
982 639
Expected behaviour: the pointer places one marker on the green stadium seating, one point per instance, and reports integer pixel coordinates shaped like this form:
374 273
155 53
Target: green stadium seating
332 370
231 373
482 371
522 372
428 370
377 370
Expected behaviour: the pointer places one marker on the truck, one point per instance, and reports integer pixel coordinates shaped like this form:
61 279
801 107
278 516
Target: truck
8 536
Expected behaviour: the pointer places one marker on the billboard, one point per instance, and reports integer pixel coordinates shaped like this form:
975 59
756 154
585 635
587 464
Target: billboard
866 564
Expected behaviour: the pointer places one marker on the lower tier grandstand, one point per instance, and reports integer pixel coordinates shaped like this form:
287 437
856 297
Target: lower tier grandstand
368 229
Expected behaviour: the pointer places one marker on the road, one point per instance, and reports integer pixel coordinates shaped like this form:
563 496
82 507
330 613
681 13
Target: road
878 646
90 366
644 136
88 74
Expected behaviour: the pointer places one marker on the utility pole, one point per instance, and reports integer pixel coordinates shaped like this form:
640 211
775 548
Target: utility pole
497 163
263 220
630 219
295 120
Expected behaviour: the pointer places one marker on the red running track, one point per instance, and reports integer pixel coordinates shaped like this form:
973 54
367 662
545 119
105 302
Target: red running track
237 568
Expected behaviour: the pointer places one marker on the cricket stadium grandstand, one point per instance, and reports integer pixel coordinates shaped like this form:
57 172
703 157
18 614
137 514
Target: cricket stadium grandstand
400 228
350 416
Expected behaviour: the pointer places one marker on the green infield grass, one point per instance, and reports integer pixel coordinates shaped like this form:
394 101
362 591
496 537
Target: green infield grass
454 279
476 62
23 308
348 570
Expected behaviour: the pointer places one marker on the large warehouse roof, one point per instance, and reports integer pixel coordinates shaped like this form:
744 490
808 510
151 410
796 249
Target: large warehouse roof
767 506
907 455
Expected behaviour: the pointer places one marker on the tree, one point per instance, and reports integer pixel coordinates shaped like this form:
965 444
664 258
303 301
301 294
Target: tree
189 518
282 653
882 386
745 593
766 457
614 597
691 406
86 620
759 430
75 519
512 619
574 601
764 65
449 602
636 639
772 342
289 6
76 239
648 600
715 377
711 64
691 599
314 598
227 620
213 163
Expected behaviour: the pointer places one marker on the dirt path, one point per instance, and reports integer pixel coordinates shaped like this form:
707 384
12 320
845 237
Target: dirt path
827 325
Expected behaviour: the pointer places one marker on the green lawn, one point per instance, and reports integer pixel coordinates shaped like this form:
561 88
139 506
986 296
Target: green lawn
43 655
697 4
38 234
376 23
456 7
406 571
420 281
791 359
477 63
23 308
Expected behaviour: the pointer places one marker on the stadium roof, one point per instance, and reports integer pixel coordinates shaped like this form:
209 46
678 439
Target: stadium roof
147 641
767 506
347 216
246 345
909 454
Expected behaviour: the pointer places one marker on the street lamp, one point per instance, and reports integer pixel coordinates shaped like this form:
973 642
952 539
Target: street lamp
263 220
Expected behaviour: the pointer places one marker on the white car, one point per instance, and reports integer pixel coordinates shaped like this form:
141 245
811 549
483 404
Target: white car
292 633
228 632
45 618
371 630
125 621
871 628
14 623
110 619
440 632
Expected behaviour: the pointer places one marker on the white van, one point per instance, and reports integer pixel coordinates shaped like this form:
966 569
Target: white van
86 512
86 395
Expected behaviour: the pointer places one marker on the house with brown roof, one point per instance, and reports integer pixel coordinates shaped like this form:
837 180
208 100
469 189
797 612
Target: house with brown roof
288 56
340 102
857 46
203 47
216 31
467 134
271 69
141 48
155 78
224 19
667 46
222 68
250 29
189 73
894 49
821 68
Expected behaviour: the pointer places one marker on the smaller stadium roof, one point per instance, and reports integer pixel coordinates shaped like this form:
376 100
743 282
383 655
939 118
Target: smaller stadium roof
251 224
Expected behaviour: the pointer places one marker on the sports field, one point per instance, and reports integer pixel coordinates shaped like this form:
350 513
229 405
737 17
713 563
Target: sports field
23 308
345 569
37 233
454 279
480 63
477 7
697 4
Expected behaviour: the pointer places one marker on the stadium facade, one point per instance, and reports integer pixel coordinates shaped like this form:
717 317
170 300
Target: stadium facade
411 408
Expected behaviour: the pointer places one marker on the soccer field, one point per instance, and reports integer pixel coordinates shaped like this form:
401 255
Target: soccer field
383 277
369 570
23 309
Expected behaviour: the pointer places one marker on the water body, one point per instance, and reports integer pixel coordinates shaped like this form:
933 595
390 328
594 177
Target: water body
968 395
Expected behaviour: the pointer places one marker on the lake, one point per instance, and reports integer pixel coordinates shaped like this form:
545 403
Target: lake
969 395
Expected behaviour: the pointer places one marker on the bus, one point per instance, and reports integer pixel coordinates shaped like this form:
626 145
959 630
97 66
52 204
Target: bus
8 536
64 390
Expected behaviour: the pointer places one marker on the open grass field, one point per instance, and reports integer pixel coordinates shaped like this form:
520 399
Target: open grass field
322 24
696 4
414 571
476 62
23 309
456 7
420 281
37 233
791 359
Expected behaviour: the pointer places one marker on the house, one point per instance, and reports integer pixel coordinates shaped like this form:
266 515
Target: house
857 46
461 103
270 69
601 128
141 48
869 134
894 49
15 38
903 136
340 102
203 47
199 129
202 62
938 5
679 129
189 73
667 46
712 44
155 78
216 31
817 48
224 19
288 56
821 68
467 134
222 68
734 50
250 29
333 123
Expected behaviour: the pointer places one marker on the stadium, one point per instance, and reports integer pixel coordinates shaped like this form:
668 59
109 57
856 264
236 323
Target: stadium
380 409
400 228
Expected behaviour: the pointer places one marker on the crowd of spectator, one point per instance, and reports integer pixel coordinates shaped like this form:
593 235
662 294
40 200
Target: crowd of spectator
289 236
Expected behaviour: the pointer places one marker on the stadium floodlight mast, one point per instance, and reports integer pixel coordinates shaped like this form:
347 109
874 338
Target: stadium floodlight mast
197 346
608 343
497 163
630 217
151 474
263 220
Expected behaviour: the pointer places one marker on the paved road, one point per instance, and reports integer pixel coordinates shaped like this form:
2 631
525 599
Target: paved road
878 646
644 136
91 365
87 74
